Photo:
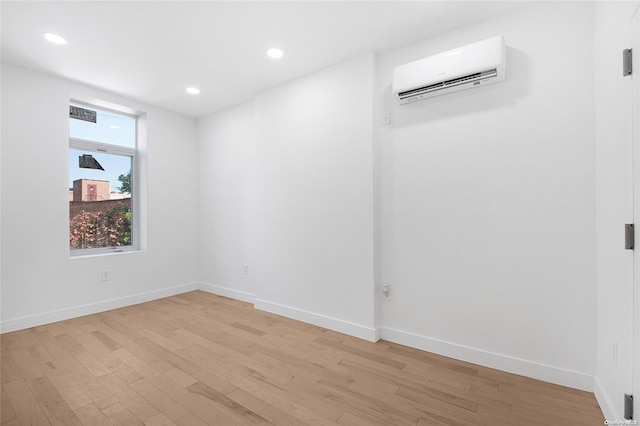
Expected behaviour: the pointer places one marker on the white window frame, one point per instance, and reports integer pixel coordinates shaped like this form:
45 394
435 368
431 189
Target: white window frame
136 188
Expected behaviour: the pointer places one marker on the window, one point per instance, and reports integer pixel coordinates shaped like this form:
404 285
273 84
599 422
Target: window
103 167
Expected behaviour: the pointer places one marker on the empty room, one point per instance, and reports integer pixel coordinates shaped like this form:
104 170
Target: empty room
319 213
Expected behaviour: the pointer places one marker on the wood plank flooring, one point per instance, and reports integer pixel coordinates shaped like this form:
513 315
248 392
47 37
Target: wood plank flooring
200 359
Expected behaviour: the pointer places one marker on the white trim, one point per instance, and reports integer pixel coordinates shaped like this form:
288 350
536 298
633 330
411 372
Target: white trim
104 251
102 147
228 292
137 155
505 363
92 308
635 149
531 369
603 401
335 324
377 333
92 102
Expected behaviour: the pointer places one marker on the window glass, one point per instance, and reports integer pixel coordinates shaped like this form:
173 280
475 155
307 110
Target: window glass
114 167
102 164
99 200
109 127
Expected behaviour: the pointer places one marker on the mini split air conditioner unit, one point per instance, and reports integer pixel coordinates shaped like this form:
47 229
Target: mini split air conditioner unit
466 67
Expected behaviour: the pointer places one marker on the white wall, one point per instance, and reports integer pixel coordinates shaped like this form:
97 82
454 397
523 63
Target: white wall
614 206
488 203
486 220
224 172
308 235
312 227
485 226
40 283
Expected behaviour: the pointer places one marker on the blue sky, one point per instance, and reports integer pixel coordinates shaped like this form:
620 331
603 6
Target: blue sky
114 166
111 128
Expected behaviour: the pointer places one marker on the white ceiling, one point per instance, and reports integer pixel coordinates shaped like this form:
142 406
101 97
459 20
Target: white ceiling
152 50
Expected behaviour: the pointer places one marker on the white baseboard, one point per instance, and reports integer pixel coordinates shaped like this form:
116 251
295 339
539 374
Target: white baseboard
341 326
356 330
508 364
522 367
605 403
227 292
377 333
92 308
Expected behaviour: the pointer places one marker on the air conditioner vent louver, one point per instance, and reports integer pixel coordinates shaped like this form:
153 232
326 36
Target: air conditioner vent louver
449 83
474 76
477 64
422 89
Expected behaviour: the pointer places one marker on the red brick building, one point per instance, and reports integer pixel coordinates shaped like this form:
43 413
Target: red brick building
91 190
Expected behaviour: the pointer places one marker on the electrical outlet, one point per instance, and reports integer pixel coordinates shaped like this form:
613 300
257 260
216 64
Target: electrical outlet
106 275
386 292
245 269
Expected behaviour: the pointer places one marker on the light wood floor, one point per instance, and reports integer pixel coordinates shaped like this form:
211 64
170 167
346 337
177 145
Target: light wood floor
200 359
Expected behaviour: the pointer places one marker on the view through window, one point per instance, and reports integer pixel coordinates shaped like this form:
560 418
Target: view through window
102 161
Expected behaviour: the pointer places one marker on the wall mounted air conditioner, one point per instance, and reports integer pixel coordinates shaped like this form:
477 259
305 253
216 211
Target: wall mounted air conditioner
466 67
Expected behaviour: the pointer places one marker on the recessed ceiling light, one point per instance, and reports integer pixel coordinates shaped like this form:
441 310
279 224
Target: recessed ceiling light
54 38
275 53
193 90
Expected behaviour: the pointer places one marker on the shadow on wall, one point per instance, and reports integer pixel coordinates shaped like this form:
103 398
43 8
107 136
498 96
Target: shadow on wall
494 96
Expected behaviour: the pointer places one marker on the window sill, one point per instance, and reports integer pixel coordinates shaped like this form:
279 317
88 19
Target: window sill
88 253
